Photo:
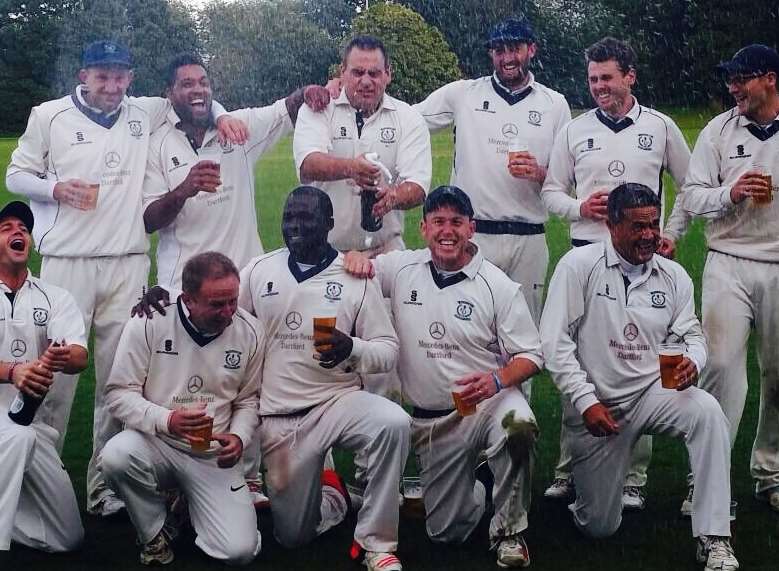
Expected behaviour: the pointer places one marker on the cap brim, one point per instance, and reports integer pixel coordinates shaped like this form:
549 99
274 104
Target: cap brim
20 210
733 68
504 40
107 63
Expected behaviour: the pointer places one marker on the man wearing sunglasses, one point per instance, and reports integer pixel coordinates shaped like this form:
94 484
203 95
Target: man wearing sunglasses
729 182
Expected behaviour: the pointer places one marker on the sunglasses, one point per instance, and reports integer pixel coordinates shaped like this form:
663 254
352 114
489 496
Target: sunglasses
741 79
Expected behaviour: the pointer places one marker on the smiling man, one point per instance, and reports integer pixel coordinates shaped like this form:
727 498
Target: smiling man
619 141
331 151
194 369
610 305
37 504
489 113
732 182
464 327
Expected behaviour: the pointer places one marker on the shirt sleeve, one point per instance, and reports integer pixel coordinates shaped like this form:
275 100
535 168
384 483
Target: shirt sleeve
438 108
245 298
560 183
414 160
517 333
704 194
685 324
677 160
559 323
66 321
312 133
244 420
155 185
375 348
267 125
156 107
386 267
124 390
27 172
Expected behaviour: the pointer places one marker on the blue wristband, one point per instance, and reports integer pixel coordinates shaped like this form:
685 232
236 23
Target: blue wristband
496 378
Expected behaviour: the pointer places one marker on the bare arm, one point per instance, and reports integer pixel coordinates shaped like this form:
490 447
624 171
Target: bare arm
204 176
325 167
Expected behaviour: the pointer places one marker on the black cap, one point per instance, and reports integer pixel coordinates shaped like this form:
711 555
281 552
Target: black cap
105 53
20 210
754 59
447 195
510 30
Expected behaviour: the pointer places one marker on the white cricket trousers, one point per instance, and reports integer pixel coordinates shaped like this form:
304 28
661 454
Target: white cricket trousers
294 448
140 468
740 294
600 463
105 289
448 450
37 504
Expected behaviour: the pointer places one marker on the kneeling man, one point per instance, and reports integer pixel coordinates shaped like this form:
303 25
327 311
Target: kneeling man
179 382
610 305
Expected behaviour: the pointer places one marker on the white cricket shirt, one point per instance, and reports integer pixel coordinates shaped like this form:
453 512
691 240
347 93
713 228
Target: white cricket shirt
593 153
476 320
396 132
726 148
40 313
600 338
163 364
286 300
486 116
62 143
224 221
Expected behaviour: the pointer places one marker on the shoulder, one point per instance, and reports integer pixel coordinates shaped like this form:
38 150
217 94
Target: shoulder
583 259
500 285
554 97
55 297
47 110
672 270
265 262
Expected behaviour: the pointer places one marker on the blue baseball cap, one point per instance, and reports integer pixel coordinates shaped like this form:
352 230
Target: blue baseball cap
510 30
105 53
753 59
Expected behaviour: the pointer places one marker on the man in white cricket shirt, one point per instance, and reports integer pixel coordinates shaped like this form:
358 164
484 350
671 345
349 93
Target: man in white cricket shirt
489 113
91 238
311 397
619 141
727 185
610 305
463 326
195 367
37 504
331 147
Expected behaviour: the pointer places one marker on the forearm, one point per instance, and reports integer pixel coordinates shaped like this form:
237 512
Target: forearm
128 405
31 186
293 103
323 167
516 372
163 212
408 195
78 360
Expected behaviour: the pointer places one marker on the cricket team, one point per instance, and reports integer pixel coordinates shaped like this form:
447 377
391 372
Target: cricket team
243 360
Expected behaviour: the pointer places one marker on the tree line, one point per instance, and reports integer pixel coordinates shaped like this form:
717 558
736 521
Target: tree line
260 50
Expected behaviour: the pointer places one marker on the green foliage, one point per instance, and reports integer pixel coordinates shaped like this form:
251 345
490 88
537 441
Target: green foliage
261 51
420 57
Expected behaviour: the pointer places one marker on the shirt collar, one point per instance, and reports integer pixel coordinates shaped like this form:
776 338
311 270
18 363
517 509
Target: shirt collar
471 268
527 87
27 281
80 95
612 258
747 121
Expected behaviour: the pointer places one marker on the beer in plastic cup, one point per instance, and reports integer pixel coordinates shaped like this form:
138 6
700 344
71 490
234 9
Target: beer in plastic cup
462 408
204 433
212 154
671 354
412 497
517 145
323 329
90 195
767 195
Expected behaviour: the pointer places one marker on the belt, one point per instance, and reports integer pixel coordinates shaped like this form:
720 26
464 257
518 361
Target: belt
301 412
576 243
417 412
508 227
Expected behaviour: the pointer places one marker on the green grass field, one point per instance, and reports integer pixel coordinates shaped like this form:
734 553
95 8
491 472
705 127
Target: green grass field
656 538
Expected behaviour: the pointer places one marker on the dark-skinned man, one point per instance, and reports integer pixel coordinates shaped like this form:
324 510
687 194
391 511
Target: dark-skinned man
464 327
610 305
194 369
38 506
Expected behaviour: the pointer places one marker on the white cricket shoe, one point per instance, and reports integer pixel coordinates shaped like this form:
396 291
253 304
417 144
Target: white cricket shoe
717 553
379 561
109 506
561 489
513 552
633 498
157 551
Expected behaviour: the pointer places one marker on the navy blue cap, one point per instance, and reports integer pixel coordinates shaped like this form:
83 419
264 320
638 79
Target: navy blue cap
448 195
753 59
105 53
20 210
510 30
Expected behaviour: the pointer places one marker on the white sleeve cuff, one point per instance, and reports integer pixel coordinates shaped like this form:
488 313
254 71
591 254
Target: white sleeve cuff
585 402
